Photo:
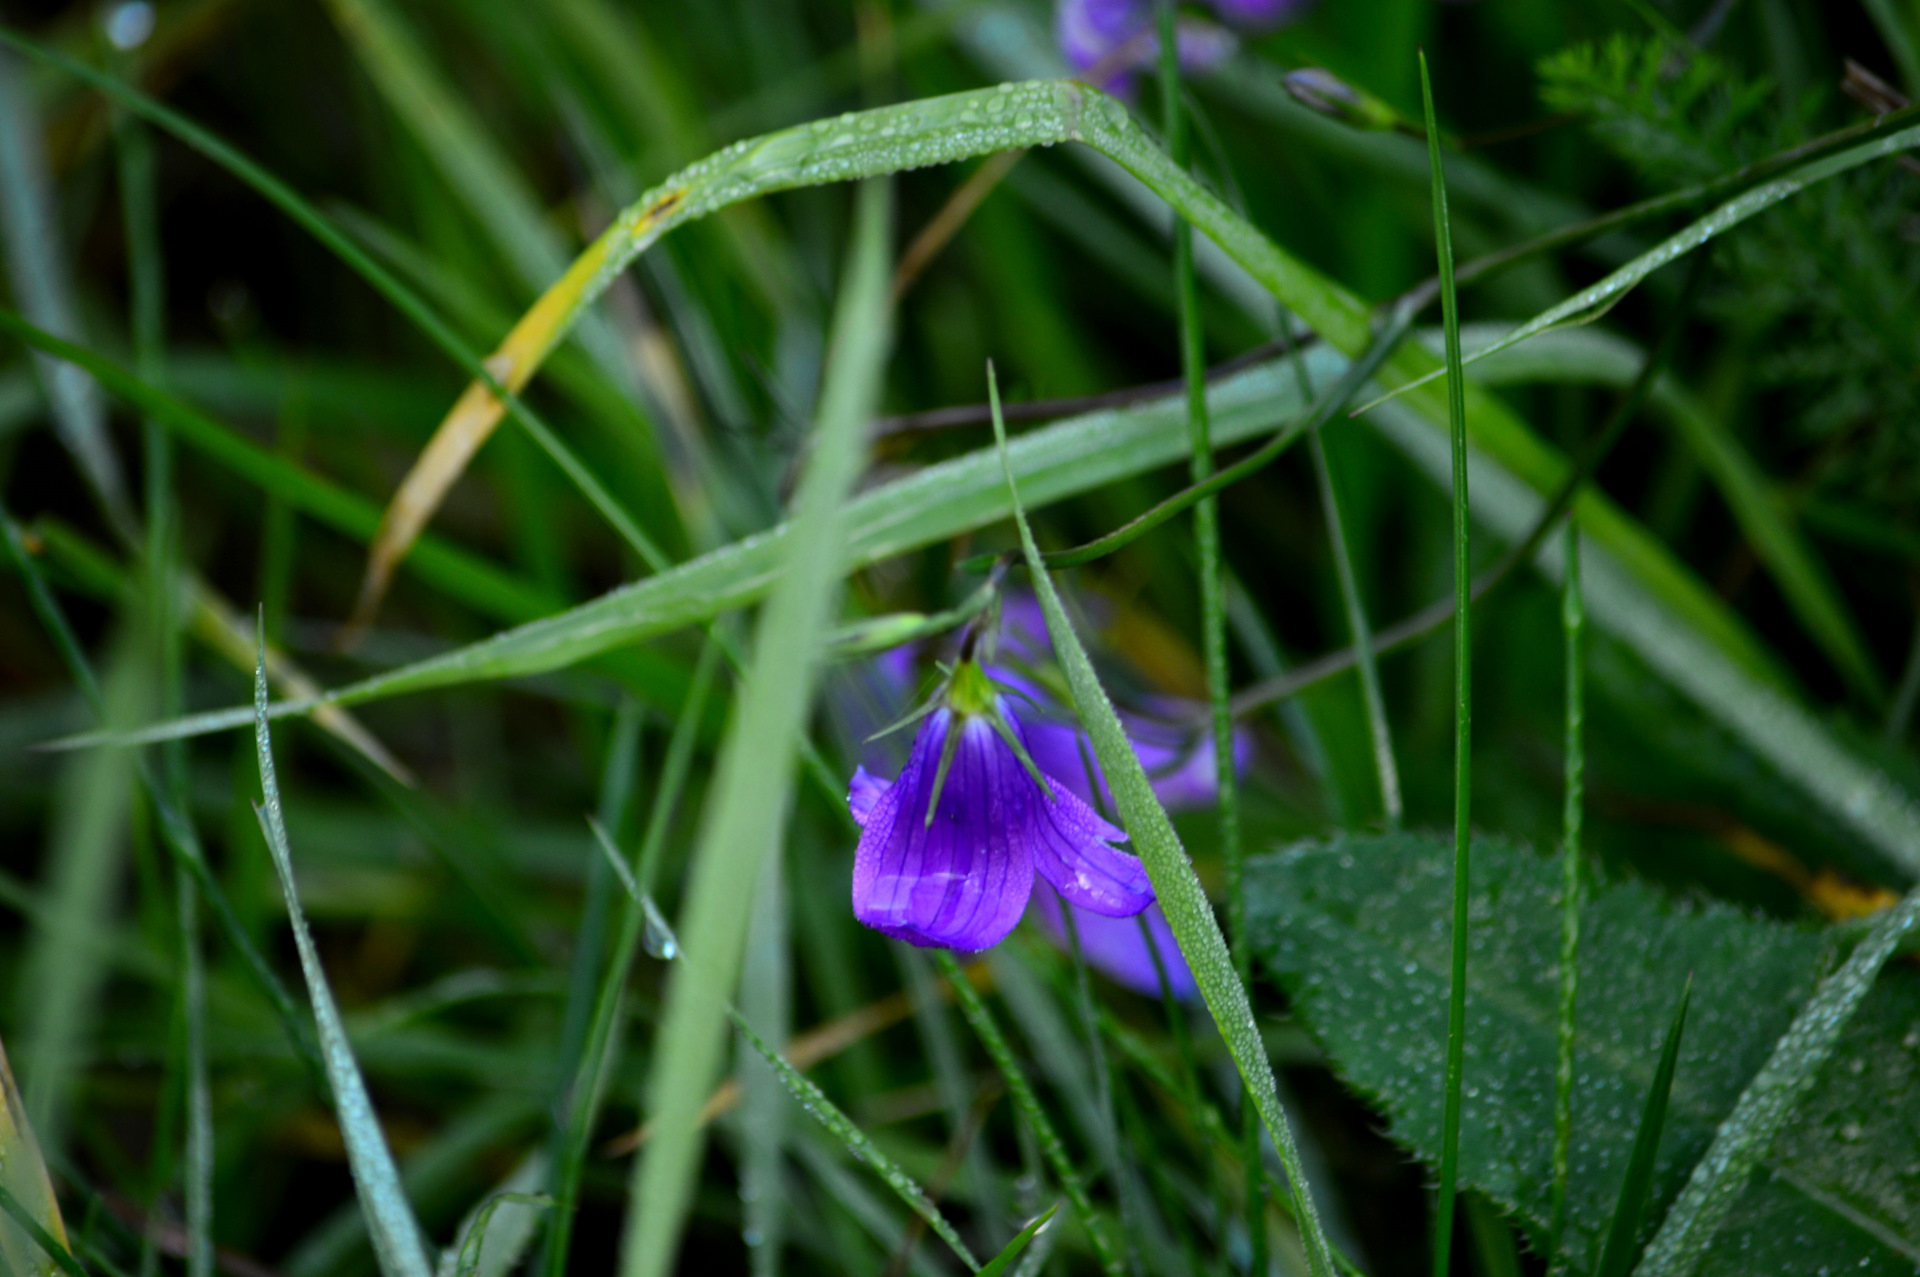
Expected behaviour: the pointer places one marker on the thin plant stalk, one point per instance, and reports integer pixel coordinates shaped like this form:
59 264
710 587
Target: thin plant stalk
1573 619
597 1057
1462 706
1213 601
1361 635
1028 1105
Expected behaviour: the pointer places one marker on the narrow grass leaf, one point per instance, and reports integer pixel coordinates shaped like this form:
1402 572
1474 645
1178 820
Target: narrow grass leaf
1763 1108
1176 884
974 1008
856 1141
752 783
1623 1231
176 833
811 1098
36 264
54 1255
1360 634
509 1227
397 1242
473 1237
1453 1079
1001 1263
1594 301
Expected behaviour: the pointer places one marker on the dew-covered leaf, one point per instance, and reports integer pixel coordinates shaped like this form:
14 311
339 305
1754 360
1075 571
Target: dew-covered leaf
1356 931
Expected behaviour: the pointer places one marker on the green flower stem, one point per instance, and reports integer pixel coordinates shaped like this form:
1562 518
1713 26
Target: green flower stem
1573 619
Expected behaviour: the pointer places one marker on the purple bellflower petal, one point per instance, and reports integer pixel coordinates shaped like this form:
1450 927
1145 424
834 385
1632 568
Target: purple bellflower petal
962 880
1117 36
862 793
1115 948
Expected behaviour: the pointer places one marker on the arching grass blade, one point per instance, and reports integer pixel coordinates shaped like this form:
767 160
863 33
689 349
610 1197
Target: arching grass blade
1181 896
397 1242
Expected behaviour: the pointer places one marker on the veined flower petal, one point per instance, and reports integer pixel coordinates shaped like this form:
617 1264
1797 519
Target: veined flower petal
962 879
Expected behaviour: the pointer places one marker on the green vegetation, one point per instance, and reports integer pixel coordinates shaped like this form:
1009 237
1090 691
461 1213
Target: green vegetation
478 479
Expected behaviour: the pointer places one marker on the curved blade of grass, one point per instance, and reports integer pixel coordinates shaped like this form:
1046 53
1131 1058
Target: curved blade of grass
396 1235
847 148
1177 886
1591 302
502 1239
752 783
1623 1231
1763 1108
1462 699
35 261
474 1236
378 277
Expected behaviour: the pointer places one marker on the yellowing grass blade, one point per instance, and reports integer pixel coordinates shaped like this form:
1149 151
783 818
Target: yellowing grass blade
855 145
24 1176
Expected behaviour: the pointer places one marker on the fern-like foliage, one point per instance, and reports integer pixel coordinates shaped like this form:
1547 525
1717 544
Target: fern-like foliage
1820 291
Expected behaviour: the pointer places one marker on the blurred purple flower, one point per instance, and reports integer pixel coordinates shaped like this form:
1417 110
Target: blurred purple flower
949 850
1114 37
1116 948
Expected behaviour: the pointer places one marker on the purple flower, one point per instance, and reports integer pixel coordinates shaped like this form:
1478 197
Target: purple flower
1116 947
1111 38
949 850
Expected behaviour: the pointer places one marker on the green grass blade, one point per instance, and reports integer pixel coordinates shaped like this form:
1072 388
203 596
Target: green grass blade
395 1232
1000 1264
1174 881
1592 302
35 262
856 1141
752 780
1572 882
473 1239
1360 634
61 977
178 836
466 577
378 277
510 1219
1763 1108
1462 701
1031 1111
1623 1230
1213 605
200 1160
62 1258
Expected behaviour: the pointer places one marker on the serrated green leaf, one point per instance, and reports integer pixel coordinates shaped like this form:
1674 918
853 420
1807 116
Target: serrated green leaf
1356 931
